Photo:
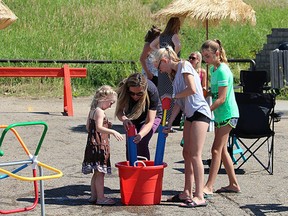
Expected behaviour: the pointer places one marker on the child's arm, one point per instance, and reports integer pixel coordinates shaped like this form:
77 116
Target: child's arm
99 117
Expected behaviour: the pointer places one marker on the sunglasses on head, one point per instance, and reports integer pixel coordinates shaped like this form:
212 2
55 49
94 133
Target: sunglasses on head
192 57
137 94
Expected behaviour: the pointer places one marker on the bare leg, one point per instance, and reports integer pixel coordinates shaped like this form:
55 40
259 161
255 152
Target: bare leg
99 184
93 197
220 142
228 164
194 139
188 170
188 175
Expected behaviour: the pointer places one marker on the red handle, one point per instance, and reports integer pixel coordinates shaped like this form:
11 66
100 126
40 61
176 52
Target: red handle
166 103
131 130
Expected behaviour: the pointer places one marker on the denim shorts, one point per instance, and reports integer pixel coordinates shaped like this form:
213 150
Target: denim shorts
232 122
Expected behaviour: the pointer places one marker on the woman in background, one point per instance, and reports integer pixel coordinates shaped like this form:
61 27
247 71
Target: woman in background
169 37
195 58
148 68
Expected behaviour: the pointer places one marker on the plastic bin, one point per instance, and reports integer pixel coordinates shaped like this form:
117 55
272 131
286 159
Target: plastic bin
142 184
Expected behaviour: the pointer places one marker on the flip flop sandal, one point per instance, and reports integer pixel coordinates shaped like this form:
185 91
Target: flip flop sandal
226 190
176 198
192 204
106 202
92 201
206 195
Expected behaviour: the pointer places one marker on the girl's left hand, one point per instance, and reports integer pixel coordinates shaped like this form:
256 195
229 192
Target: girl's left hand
118 136
166 130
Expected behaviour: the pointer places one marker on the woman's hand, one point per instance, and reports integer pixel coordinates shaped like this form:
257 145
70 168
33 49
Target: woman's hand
127 123
137 138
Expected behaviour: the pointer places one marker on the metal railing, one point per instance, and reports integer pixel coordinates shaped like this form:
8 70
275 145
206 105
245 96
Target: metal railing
132 63
251 61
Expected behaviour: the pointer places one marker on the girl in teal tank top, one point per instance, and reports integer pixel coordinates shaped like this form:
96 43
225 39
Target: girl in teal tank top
226 115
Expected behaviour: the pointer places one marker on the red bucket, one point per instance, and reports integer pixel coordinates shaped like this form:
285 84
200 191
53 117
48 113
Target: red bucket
142 184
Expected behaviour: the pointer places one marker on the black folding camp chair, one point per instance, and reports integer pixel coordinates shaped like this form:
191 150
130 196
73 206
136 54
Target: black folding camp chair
254 81
256 123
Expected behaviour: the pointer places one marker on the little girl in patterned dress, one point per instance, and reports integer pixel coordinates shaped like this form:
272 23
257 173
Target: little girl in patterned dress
97 152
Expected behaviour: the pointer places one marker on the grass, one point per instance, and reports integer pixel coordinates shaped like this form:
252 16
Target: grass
113 30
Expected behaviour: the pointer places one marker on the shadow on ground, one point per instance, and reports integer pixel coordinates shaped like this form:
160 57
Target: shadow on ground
207 163
70 195
264 209
79 129
77 195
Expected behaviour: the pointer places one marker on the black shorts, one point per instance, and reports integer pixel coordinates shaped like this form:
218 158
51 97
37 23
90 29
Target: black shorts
197 116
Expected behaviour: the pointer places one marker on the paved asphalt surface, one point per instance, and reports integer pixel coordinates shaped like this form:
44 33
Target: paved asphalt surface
63 148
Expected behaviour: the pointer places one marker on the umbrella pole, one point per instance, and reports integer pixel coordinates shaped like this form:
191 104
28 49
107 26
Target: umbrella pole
207 69
206 29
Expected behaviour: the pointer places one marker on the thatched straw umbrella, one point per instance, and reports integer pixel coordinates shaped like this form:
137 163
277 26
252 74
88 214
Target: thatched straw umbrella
7 17
209 11
178 8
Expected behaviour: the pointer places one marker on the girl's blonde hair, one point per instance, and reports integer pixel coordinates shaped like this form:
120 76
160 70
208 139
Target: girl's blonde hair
124 98
105 92
214 46
166 52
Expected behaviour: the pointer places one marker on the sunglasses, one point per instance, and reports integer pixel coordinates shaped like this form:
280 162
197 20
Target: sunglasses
192 57
139 94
